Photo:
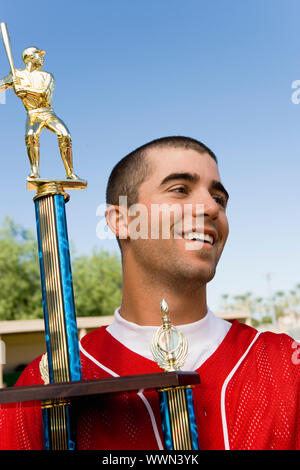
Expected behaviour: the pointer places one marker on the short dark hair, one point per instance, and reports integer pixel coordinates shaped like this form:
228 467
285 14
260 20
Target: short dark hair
127 176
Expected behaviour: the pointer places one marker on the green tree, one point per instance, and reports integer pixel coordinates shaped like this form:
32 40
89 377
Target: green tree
97 283
265 309
20 284
97 278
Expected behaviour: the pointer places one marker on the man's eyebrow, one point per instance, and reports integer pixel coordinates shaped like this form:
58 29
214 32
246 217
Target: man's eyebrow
218 186
192 178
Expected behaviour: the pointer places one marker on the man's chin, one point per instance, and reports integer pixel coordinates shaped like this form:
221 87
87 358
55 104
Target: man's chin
205 276
195 274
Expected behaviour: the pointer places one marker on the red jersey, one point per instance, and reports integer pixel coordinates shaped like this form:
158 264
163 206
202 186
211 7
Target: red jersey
248 398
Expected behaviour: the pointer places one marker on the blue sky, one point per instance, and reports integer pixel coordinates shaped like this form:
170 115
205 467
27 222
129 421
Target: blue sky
128 71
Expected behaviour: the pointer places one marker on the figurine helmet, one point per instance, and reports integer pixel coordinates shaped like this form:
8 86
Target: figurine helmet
29 51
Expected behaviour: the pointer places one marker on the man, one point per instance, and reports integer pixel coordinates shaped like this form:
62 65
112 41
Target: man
35 88
249 392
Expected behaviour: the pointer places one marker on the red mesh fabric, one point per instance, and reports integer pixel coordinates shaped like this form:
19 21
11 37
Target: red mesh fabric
117 422
21 423
265 391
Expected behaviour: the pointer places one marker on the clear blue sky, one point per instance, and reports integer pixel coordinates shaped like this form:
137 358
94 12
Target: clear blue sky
128 71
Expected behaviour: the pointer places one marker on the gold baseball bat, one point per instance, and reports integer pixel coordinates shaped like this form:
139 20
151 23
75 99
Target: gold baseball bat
7 46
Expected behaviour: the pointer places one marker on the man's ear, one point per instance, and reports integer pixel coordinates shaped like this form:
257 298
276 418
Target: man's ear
117 220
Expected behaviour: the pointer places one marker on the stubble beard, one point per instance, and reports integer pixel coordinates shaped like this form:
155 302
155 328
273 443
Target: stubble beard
161 267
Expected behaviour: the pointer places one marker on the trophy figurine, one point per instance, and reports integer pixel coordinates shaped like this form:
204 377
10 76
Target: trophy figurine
35 88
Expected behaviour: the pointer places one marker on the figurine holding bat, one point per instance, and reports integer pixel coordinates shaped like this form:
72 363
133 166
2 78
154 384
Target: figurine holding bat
35 88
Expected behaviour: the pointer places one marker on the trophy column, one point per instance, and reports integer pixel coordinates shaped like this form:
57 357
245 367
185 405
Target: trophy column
178 418
63 357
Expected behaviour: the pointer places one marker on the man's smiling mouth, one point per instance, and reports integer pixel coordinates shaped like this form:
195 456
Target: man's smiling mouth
199 237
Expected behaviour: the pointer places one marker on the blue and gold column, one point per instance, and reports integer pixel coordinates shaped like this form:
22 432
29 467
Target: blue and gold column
178 418
58 305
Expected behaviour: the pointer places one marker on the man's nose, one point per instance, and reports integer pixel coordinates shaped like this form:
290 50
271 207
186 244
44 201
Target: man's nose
206 205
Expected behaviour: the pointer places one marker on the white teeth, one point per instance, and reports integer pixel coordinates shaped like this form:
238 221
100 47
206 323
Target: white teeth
197 236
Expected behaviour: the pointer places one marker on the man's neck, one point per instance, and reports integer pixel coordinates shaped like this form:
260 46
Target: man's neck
142 296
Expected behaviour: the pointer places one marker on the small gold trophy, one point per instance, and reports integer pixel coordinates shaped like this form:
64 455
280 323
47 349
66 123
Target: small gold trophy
169 349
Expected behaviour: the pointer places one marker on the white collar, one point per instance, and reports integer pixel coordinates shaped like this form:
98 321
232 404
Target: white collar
203 336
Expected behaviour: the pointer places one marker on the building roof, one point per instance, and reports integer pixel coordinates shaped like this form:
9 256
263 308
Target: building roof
29 326
37 325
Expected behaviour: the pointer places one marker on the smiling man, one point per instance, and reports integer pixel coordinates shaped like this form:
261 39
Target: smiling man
181 173
249 392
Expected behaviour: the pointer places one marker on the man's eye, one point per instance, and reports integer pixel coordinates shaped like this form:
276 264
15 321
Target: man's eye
220 200
179 189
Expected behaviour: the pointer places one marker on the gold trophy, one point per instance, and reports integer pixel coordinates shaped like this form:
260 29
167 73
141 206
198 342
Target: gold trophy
62 361
169 349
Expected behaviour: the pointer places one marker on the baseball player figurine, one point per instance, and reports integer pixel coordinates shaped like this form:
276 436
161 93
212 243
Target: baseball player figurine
35 88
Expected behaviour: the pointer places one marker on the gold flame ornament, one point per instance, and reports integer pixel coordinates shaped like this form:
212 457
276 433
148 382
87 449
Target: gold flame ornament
169 347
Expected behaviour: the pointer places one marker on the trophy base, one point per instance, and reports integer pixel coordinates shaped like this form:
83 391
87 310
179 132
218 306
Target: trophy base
88 388
67 184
